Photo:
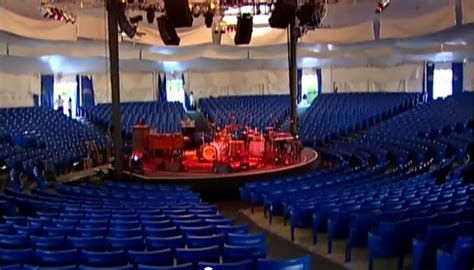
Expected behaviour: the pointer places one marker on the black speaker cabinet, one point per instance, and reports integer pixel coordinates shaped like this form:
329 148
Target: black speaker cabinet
222 167
167 31
179 12
174 166
243 34
281 16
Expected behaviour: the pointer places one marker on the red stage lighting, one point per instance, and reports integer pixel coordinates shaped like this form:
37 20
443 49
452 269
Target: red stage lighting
382 5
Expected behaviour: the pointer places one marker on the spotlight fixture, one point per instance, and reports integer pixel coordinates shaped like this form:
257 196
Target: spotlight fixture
196 10
209 15
150 15
124 23
136 19
57 14
381 6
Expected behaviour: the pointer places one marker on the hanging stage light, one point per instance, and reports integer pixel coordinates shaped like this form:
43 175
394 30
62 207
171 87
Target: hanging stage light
209 15
124 24
196 10
382 5
136 19
150 15
57 14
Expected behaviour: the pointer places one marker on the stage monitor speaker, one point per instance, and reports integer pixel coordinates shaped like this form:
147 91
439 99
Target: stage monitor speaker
174 166
243 34
282 14
222 167
167 31
179 12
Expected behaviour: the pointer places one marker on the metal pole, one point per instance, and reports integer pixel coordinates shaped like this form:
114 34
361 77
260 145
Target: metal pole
112 19
293 73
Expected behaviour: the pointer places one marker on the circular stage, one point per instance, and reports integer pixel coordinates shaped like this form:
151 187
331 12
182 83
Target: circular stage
226 181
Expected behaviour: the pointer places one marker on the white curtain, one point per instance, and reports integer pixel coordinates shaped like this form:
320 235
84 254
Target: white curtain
469 76
136 87
133 87
252 82
18 90
404 78
102 88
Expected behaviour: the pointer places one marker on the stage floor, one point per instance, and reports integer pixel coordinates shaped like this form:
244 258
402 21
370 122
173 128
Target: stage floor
309 159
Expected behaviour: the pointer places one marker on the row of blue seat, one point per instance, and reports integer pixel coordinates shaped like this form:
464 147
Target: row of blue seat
252 111
165 117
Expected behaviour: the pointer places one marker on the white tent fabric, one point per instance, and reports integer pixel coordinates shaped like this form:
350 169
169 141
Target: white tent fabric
31 28
432 22
133 87
251 82
95 28
261 36
467 11
469 76
404 78
351 34
136 87
18 90
91 27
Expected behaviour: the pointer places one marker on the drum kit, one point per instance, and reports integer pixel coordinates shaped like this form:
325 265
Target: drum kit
236 143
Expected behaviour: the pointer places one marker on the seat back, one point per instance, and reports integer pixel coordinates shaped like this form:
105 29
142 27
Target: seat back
103 259
245 239
244 265
152 258
57 258
303 263
194 255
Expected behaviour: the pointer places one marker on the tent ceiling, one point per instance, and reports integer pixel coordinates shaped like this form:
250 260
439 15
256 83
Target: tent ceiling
26 55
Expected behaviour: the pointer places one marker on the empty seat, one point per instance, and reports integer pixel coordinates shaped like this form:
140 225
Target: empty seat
13 256
245 239
188 266
126 243
103 259
48 242
243 265
152 258
241 253
96 243
57 258
195 241
303 263
194 255
157 243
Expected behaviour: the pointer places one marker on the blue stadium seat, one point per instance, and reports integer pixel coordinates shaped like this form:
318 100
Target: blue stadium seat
48 242
153 258
128 243
245 239
187 266
244 265
57 258
157 243
459 258
14 256
303 263
241 253
196 241
194 255
103 259
94 243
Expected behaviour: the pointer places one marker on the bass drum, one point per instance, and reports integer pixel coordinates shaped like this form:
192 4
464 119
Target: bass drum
208 152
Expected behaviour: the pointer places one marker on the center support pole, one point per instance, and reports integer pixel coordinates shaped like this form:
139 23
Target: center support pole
293 74
112 19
